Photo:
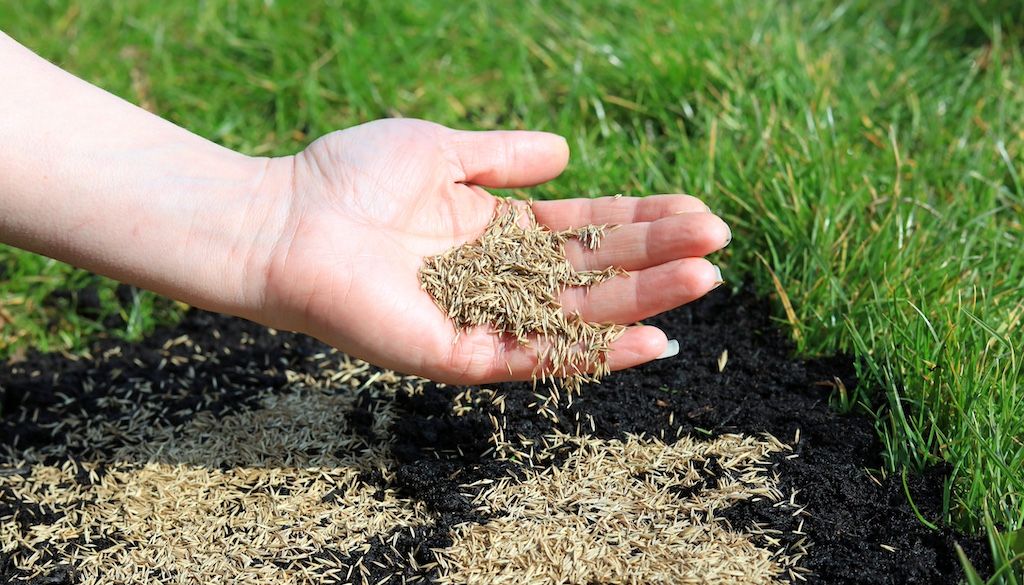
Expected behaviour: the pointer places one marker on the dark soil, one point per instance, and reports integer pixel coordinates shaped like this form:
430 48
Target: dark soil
858 521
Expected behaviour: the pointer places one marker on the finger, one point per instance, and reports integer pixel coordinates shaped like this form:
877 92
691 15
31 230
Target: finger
502 159
638 345
509 361
643 294
573 213
636 246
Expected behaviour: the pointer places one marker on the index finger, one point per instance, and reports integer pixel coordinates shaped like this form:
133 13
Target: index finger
573 213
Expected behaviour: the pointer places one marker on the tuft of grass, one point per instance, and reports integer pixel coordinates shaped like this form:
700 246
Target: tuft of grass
885 192
1007 555
869 152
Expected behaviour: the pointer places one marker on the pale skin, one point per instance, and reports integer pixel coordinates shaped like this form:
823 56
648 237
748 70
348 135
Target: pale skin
329 241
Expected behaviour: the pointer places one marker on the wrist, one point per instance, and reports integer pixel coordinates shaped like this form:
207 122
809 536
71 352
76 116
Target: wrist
249 226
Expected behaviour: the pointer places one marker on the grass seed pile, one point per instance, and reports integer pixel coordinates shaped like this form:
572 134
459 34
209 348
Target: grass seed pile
510 280
267 494
628 511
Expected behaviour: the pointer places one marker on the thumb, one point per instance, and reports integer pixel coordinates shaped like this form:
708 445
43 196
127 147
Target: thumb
502 159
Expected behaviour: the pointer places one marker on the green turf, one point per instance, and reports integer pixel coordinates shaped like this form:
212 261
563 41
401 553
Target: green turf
868 155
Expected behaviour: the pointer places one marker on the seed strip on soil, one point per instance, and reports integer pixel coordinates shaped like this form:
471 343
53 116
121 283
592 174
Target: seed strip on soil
221 451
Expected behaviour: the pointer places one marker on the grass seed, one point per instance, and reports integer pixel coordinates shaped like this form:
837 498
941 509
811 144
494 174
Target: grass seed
511 278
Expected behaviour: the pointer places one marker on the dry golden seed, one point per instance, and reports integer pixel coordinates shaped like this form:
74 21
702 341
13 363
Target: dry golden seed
580 521
510 279
279 505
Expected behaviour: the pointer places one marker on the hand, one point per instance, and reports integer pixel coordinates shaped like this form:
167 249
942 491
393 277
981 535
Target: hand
367 204
328 242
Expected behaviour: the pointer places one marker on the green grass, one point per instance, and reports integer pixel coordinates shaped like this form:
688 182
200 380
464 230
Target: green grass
868 155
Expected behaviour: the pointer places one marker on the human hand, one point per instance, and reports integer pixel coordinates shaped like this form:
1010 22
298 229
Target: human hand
366 205
330 241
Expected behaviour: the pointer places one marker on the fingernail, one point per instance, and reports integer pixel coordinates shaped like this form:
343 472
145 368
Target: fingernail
728 240
708 209
719 281
672 349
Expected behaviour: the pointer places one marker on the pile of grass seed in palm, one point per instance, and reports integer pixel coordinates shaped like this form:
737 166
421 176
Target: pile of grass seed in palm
510 280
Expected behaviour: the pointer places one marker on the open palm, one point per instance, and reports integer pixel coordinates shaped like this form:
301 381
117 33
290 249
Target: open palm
370 202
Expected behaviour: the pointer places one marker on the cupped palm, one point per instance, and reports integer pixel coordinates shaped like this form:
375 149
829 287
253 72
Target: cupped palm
369 203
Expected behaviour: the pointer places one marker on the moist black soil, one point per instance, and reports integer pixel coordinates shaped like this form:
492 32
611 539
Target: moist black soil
859 524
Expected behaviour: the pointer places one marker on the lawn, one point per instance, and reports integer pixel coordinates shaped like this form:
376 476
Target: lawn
869 158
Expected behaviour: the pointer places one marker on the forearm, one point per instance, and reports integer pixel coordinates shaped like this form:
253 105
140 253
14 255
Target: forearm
93 180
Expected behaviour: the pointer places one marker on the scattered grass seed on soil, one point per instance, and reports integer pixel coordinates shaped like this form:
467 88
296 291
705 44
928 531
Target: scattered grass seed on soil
510 279
301 452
